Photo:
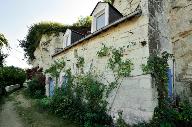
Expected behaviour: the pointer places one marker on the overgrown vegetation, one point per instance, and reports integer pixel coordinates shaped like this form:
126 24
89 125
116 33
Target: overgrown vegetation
36 83
81 100
35 89
3 40
158 66
168 113
121 68
80 62
104 51
10 76
56 69
35 32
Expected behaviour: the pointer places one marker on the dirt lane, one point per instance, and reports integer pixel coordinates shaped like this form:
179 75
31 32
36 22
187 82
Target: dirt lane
8 115
19 111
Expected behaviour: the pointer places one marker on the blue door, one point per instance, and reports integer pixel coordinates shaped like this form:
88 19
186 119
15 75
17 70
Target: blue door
51 87
170 83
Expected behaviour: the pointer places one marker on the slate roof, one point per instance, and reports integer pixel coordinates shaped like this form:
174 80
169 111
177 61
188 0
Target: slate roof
136 13
110 5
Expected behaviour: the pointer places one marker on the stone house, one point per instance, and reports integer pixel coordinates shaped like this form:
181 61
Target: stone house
141 27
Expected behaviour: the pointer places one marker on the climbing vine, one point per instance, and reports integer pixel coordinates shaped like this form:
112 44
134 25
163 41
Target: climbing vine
120 67
80 62
123 68
157 66
104 51
55 69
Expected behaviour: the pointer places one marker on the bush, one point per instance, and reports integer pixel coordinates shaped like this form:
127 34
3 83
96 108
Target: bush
35 89
81 100
11 76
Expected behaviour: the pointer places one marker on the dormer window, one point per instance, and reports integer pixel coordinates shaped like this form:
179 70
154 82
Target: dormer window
104 14
71 37
100 21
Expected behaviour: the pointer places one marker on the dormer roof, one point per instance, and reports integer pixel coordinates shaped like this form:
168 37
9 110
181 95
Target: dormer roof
103 4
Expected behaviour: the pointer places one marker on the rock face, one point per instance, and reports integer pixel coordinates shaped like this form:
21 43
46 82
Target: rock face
180 20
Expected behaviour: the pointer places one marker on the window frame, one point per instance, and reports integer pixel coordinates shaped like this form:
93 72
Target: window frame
96 19
98 12
67 38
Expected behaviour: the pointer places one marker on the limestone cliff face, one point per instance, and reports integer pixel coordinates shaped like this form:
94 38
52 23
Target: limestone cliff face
127 6
180 21
47 47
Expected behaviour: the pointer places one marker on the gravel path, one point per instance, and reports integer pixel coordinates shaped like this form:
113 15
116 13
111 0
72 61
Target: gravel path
8 116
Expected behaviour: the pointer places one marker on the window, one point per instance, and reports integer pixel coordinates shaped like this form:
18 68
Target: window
100 21
67 43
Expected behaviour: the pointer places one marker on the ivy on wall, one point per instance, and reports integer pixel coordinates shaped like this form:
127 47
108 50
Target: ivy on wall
157 66
35 32
104 51
121 68
80 62
55 69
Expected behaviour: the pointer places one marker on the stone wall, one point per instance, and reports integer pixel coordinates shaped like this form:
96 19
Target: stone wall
135 96
181 36
159 29
11 88
126 6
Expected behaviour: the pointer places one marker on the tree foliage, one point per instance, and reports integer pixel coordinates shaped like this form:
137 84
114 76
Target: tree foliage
3 40
83 21
35 32
11 76
2 58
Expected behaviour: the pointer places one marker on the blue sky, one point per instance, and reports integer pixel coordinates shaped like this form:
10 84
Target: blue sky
17 15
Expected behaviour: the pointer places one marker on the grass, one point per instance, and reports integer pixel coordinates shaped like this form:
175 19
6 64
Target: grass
2 101
32 117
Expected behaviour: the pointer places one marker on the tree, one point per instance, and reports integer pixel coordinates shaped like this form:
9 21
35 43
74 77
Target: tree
83 21
3 40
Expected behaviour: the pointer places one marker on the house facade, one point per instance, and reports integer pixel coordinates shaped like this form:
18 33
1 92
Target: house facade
140 27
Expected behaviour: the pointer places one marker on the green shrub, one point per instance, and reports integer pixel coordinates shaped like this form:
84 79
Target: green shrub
11 76
44 103
82 100
35 89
